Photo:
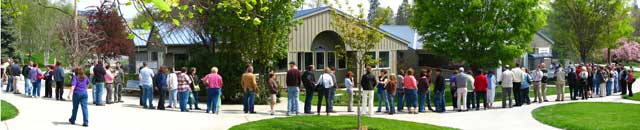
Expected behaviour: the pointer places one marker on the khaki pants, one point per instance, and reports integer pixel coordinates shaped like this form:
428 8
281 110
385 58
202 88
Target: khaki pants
537 92
462 98
603 89
543 91
559 91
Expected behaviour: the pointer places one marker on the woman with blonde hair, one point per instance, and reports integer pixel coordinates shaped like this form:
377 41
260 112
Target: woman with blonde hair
325 82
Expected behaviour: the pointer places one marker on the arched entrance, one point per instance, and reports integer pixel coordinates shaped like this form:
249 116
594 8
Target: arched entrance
324 51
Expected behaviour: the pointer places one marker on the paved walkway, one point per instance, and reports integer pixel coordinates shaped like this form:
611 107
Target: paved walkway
47 114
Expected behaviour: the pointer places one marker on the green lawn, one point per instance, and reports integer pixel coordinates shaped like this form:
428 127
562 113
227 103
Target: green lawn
8 110
332 123
635 97
590 116
343 100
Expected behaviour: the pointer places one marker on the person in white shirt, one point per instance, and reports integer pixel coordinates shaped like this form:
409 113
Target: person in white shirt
517 81
507 86
326 82
172 82
536 77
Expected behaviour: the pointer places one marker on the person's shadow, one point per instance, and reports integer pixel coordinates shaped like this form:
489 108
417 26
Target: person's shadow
57 123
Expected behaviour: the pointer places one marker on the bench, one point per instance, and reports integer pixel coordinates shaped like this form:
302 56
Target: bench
132 85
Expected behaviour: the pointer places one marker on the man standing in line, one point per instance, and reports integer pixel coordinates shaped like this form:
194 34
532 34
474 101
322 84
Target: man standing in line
332 90
15 72
517 81
146 80
462 80
543 82
439 92
453 89
58 76
560 81
293 88
368 82
572 81
400 90
536 77
98 75
480 90
507 86
309 82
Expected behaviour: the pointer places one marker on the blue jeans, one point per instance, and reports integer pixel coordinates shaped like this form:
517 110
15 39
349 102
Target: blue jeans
99 88
36 88
390 100
424 97
79 99
293 93
195 101
411 95
609 88
27 87
9 84
183 98
248 102
439 101
147 96
331 98
213 94
382 97
173 94
400 96
307 100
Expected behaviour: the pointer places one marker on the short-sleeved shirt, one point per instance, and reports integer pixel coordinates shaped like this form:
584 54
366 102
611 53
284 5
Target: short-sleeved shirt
214 80
146 76
183 82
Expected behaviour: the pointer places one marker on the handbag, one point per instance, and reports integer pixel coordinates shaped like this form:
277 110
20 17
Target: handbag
196 87
40 76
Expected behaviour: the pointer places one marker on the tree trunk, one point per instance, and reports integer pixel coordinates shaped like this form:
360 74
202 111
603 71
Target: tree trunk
609 55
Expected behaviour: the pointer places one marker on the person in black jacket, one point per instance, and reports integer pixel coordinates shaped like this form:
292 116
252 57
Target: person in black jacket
439 92
309 81
58 76
572 81
48 78
368 82
98 76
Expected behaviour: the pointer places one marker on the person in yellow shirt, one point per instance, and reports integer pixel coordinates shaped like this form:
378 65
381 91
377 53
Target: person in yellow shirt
250 88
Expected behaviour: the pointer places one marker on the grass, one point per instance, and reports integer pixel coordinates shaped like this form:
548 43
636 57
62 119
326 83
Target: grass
332 123
8 110
637 98
343 100
590 116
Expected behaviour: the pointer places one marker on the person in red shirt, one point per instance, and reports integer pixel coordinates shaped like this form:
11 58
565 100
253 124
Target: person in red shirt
480 89
630 80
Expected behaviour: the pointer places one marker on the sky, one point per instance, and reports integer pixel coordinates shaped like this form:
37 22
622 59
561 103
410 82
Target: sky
130 12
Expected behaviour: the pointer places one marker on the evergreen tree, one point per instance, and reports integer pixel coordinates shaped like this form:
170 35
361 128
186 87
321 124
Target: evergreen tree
404 12
8 35
373 8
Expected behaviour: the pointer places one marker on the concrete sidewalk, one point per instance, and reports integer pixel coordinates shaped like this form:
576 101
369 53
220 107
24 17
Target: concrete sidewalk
48 114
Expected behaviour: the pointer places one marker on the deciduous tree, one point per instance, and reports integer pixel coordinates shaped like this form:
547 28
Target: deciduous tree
479 32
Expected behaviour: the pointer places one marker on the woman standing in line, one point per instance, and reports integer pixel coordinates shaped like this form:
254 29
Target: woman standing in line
195 87
391 92
161 85
273 91
410 92
382 94
524 89
172 84
491 94
108 79
79 84
36 77
48 81
183 89
213 81
348 82
325 83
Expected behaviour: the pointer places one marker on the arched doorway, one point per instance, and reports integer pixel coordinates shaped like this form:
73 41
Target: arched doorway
324 51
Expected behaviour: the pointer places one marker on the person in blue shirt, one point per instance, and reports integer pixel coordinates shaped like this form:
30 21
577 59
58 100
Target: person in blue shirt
161 85
524 88
453 89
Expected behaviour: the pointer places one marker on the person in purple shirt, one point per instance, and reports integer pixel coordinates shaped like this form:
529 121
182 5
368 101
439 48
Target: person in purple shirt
452 86
34 74
79 83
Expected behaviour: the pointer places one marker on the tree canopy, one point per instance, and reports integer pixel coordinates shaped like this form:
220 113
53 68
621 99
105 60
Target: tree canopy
480 33
587 26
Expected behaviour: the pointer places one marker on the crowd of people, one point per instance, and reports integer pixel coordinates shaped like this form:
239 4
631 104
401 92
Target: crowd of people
395 92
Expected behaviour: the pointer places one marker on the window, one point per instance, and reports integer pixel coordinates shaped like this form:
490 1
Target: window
342 62
320 60
308 59
331 59
282 64
384 59
371 55
142 56
154 56
299 61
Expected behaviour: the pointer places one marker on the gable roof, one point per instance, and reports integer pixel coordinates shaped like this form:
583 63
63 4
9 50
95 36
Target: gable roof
545 37
405 32
311 12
